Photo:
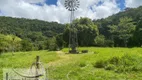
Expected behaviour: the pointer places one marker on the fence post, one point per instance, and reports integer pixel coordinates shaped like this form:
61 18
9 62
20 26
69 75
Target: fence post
37 66
6 76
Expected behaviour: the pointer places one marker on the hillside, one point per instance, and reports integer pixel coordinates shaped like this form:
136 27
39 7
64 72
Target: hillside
34 34
130 13
22 27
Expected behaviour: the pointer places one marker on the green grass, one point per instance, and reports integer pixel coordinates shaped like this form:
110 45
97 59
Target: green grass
24 59
63 66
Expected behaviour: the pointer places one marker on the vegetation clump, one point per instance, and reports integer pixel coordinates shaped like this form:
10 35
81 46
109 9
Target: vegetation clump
100 64
82 64
126 63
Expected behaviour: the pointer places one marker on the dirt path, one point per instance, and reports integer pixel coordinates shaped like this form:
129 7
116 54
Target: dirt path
63 58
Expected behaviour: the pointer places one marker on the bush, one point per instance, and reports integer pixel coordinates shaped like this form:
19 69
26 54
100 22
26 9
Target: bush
137 68
52 47
126 63
100 40
82 64
96 52
26 45
100 64
120 69
114 60
51 44
110 67
84 51
109 43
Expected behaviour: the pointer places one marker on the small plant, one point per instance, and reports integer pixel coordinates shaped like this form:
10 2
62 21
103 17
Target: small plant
96 52
100 64
110 67
84 51
137 68
82 64
120 69
114 60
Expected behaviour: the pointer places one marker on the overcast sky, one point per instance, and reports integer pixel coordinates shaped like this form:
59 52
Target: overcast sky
54 10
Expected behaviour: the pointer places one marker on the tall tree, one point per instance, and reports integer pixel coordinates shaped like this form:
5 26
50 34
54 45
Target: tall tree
138 34
86 31
9 43
124 30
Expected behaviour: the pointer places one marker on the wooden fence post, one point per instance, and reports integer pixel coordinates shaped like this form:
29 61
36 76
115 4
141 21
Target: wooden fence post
6 76
37 66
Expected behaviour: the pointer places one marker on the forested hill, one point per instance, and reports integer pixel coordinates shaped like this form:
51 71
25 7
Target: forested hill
22 27
112 26
25 34
123 29
134 13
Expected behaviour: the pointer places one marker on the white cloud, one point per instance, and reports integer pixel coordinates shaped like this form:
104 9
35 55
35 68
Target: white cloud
107 8
133 3
34 1
88 8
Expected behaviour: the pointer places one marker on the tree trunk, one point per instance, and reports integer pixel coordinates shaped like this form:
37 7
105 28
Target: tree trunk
125 43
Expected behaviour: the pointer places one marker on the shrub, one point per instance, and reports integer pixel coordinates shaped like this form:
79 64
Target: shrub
114 60
137 68
100 64
96 52
110 67
109 43
100 40
51 44
82 64
120 69
126 63
84 51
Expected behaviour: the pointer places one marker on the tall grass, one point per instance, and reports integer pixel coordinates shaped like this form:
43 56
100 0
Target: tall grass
25 59
82 66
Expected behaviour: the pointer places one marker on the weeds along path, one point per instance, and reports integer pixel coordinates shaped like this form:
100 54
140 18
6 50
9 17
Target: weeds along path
63 59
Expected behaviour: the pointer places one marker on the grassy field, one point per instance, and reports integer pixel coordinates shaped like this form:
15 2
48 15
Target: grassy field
97 64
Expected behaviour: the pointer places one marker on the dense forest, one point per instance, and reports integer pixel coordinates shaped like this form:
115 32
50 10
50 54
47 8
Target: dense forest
123 29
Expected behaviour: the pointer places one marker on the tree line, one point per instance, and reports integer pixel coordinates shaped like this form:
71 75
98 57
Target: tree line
123 29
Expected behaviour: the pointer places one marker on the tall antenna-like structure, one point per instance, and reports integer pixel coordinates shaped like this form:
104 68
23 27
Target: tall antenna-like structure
72 5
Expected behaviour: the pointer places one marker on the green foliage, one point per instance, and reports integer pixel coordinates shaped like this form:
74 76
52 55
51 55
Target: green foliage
9 43
114 60
123 31
100 64
82 64
87 31
100 40
59 41
26 45
52 44
120 30
126 63
125 21
137 35
110 67
66 35
109 43
35 32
